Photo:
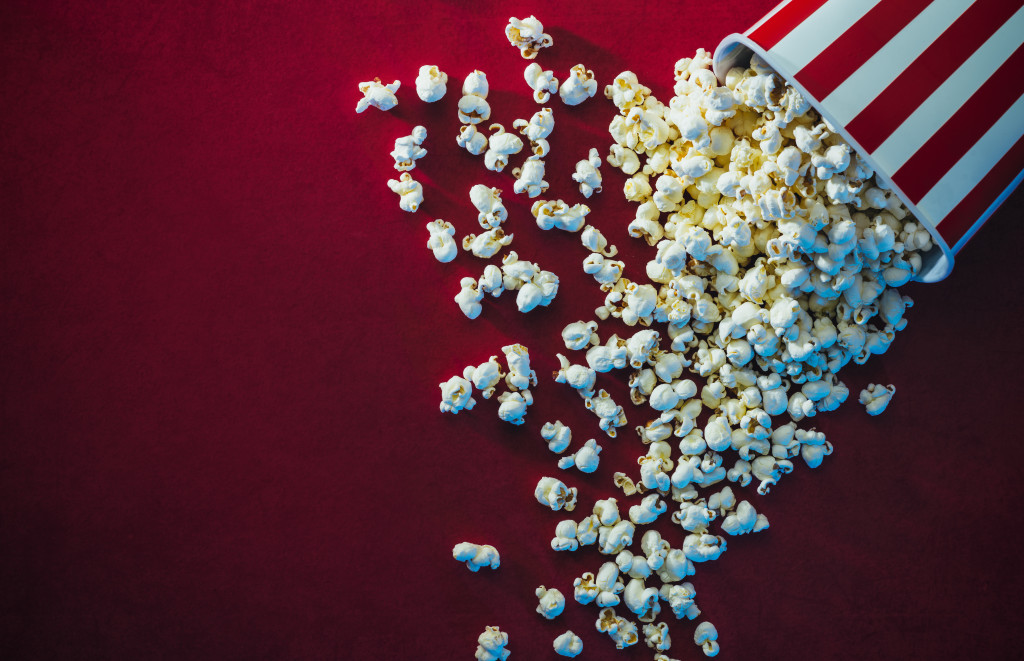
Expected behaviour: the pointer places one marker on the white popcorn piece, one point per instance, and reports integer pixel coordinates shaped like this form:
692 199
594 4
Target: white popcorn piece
409 191
702 547
491 645
477 555
578 86
520 376
649 509
476 84
543 83
626 92
657 637
474 108
527 35
513 406
557 435
537 130
442 241
530 178
565 536
491 281
557 214
486 244
594 241
587 174
611 414
642 600
813 446
706 636
500 146
553 493
578 377
469 298
487 200
485 376
456 395
681 600
586 459
408 149
431 83
472 140
552 603
580 335
876 397
605 271
378 95
611 540
568 644
622 631
744 520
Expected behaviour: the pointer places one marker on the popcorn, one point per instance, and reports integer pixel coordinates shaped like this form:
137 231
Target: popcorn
408 150
530 178
378 95
476 555
557 435
485 376
473 109
442 241
585 459
594 241
409 191
491 645
744 520
431 83
469 298
626 92
578 87
543 83
579 378
528 36
680 599
605 408
486 244
876 397
537 130
613 539
568 644
491 281
501 145
552 493
488 202
513 406
642 600
565 536
648 510
587 174
552 603
606 271
472 140
557 214
520 376
657 637
580 335
622 631
706 636
702 547
456 395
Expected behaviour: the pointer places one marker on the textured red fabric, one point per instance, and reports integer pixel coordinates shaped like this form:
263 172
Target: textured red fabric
222 341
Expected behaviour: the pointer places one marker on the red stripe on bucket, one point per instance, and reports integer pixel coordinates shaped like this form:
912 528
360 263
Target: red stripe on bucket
873 125
967 125
841 59
775 28
964 215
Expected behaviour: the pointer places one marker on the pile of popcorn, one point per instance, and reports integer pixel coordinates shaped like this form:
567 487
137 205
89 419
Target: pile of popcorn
777 258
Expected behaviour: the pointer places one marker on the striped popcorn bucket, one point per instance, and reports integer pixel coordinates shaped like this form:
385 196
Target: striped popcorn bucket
930 92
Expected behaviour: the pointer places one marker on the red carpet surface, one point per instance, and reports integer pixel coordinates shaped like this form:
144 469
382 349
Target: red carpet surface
222 340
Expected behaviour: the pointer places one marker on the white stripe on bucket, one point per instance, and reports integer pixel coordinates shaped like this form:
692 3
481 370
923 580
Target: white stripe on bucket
767 17
975 164
810 38
861 88
943 103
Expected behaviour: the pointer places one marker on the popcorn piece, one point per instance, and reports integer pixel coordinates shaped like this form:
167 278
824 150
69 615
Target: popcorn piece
706 636
626 92
469 298
491 281
527 35
876 397
543 83
605 408
587 174
568 644
476 555
473 109
557 435
565 536
476 84
657 637
491 645
442 241
579 86
585 459
613 539
513 406
648 510
537 130
492 212
622 631
456 395
485 376
702 547
580 335
378 95
744 520
431 83
530 178
501 145
486 244
520 376
681 599
552 603
594 241
408 149
642 600
472 140
606 271
553 493
409 191
579 378
557 214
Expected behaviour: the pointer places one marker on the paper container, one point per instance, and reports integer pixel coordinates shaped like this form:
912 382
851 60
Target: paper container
930 93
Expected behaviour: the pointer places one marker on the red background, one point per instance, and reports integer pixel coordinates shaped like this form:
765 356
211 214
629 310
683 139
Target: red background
222 342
